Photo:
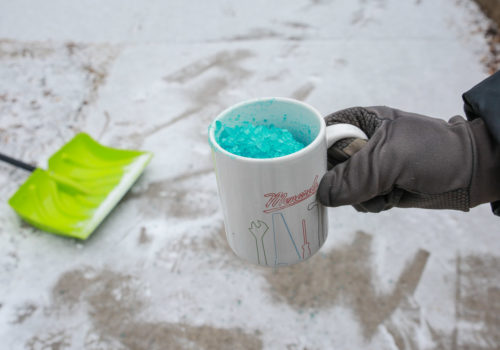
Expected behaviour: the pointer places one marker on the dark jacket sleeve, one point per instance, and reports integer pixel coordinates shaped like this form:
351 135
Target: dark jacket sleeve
483 101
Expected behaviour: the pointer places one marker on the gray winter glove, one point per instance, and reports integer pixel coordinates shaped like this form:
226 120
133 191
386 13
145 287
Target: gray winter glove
411 161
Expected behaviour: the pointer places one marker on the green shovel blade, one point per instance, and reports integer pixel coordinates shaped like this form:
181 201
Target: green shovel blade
83 183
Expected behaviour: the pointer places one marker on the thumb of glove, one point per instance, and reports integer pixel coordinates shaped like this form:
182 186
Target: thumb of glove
356 180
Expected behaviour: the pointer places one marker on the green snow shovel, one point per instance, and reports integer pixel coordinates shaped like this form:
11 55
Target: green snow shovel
82 184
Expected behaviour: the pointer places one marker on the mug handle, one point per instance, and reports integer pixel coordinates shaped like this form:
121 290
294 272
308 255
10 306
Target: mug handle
337 132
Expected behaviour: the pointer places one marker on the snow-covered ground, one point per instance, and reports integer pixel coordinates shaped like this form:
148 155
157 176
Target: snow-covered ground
158 273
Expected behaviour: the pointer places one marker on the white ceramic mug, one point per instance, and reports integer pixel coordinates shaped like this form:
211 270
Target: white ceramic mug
271 214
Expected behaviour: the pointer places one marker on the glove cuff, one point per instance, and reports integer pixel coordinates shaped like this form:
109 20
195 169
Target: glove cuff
485 183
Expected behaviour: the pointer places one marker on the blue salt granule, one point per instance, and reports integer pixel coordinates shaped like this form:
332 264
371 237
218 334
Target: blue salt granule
257 141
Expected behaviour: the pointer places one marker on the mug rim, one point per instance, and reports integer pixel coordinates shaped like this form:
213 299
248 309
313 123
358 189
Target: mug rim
321 134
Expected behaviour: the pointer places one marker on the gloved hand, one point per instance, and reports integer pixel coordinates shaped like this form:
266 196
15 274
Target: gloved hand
411 161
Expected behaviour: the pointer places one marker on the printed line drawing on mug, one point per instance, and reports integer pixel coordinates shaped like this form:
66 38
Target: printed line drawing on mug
305 246
258 230
279 220
277 201
321 234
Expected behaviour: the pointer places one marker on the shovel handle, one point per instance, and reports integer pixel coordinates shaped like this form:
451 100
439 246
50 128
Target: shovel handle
16 162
